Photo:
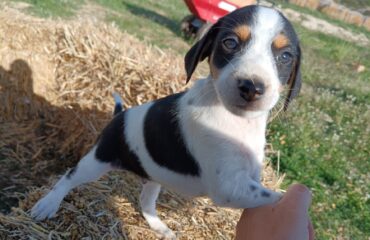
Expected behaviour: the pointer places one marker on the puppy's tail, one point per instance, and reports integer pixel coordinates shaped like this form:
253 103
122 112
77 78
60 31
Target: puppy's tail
118 107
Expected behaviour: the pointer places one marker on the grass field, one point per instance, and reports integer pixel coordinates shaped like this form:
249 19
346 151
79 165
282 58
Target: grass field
53 8
323 140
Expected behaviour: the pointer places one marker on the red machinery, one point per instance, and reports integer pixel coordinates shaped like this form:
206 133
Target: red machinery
207 12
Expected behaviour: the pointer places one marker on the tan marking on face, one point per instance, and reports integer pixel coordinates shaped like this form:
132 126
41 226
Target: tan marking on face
215 72
281 41
243 32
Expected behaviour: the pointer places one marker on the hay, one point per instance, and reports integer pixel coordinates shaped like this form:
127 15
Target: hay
56 80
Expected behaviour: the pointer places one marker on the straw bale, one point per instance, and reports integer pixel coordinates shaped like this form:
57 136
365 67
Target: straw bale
366 23
56 81
355 18
109 209
330 9
312 4
341 12
301 3
243 2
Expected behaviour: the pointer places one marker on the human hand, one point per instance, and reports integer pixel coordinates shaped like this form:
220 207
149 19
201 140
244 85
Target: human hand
285 220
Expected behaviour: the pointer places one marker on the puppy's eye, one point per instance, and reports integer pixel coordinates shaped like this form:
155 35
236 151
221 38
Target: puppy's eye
230 43
285 58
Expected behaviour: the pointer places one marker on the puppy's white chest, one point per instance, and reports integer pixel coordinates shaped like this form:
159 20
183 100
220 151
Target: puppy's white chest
220 130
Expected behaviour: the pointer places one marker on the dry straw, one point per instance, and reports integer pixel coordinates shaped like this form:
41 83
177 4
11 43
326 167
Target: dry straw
56 81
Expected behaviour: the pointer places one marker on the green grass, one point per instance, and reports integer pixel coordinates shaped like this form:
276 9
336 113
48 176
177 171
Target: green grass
155 21
323 139
53 8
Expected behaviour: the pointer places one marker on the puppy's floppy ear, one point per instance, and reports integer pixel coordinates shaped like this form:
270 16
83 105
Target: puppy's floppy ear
294 81
201 50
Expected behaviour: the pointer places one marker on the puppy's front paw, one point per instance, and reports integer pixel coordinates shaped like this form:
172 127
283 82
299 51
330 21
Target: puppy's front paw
46 207
167 234
161 228
271 196
278 195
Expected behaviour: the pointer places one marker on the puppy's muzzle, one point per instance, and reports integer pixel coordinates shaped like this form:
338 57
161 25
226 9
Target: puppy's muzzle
250 90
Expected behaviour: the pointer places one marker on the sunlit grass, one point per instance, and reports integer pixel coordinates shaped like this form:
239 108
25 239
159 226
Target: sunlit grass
53 8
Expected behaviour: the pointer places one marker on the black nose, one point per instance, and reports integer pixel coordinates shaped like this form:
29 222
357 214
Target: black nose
250 90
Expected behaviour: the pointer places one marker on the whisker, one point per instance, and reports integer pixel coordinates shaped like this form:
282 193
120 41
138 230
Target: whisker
278 109
234 68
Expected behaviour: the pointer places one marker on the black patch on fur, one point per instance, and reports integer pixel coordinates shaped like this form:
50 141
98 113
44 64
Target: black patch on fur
113 148
190 101
252 187
163 139
71 172
265 194
117 109
285 70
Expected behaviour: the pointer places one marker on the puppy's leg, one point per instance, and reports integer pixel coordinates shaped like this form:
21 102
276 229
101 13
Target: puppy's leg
243 192
87 170
148 197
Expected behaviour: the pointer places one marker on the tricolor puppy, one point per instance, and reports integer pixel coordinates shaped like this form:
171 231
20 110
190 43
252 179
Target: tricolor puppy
209 140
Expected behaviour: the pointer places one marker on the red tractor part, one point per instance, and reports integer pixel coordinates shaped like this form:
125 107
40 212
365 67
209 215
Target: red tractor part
207 12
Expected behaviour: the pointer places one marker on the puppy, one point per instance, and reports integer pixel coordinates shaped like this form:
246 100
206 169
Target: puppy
209 140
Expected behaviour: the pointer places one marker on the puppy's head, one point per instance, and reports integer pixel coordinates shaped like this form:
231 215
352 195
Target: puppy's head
253 54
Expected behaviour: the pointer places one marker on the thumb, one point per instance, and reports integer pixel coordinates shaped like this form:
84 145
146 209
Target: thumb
298 198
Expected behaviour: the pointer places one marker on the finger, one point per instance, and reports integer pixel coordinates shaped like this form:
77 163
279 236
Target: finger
311 232
298 197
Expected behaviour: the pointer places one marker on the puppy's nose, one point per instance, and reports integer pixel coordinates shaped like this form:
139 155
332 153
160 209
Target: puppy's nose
250 90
